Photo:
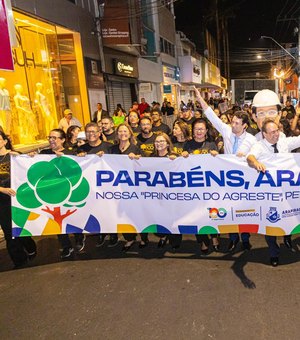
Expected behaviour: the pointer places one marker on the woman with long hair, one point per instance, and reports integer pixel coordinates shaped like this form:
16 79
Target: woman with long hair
134 122
181 134
163 147
71 142
202 143
126 145
20 249
119 115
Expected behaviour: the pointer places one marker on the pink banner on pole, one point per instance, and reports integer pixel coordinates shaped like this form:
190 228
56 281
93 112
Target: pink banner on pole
6 60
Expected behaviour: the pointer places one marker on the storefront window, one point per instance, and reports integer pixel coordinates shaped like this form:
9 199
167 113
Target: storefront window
44 82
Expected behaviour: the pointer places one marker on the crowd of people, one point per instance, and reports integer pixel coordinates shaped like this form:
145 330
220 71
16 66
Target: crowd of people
198 128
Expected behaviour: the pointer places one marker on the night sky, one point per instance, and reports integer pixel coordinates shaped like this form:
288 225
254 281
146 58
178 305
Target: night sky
247 22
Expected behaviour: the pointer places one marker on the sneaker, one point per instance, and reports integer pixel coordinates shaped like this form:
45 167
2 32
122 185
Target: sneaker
100 241
67 253
113 242
274 261
232 246
80 244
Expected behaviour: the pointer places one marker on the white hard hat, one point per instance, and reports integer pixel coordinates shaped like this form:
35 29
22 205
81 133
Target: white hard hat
265 98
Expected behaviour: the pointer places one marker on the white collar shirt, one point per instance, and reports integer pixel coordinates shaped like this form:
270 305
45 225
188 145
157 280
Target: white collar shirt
263 150
245 140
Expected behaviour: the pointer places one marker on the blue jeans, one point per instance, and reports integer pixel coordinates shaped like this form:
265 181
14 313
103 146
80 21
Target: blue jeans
234 237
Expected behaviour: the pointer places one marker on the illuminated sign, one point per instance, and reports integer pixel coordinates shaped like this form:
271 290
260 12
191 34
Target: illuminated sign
124 68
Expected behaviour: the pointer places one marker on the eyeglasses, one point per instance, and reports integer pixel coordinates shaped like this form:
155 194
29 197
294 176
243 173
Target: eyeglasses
270 113
53 137
91 132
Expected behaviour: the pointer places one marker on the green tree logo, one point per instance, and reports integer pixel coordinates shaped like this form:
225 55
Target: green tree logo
57 182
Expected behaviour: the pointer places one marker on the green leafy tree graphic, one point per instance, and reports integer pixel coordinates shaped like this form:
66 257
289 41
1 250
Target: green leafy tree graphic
57 182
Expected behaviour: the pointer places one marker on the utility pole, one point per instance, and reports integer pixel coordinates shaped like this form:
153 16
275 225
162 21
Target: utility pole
218 35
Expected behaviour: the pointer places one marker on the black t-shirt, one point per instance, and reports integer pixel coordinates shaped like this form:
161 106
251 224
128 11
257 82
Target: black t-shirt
71 147
197 148
111 138
51 152
90 150
146 144
161 128
136 130
189 123
178 147
132 148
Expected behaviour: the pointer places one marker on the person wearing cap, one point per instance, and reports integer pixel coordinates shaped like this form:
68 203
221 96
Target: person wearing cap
68 121
265 105
186 116
263 151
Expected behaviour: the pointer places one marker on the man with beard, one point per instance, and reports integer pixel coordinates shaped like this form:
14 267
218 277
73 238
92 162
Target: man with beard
157 124
145 140
108 129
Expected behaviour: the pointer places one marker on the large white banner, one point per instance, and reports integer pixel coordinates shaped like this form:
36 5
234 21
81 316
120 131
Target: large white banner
200 194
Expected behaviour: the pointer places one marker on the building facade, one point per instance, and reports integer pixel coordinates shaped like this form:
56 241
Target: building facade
53 67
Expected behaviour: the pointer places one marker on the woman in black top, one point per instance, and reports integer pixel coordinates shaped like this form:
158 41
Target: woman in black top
126 145
71 142
181 134
57 139
20 249
163 147
202 143
125 142
134 122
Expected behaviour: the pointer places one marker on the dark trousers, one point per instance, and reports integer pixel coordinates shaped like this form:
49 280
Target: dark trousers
234 237
175 240
65 242
273 245
202 238
19 247
274 248
132 237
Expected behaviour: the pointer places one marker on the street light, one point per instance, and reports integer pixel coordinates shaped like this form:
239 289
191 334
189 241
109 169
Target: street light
297 60
276 42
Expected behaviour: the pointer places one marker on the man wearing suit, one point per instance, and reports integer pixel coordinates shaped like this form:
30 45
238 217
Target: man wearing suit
100 113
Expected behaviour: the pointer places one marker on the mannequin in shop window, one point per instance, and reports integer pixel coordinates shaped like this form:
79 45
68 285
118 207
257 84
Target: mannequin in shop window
44 108
5 109
27 122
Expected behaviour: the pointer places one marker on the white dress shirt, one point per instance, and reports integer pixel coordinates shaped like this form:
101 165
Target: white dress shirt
245 140
263 150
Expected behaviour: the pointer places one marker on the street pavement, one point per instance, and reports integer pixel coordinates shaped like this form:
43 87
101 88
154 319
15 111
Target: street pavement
151 293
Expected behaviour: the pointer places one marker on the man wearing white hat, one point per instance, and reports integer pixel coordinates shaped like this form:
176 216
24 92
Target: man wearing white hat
68 121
